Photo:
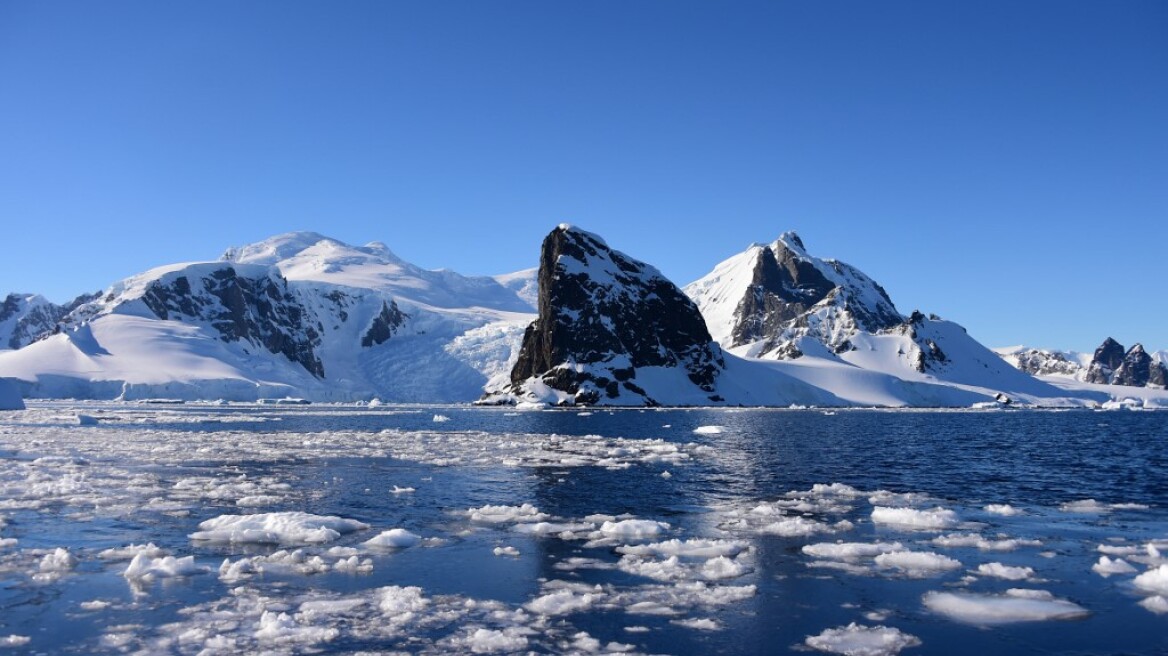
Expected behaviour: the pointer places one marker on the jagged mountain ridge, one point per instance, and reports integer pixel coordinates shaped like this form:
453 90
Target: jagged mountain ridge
297 314
1110 364
25 318
777 301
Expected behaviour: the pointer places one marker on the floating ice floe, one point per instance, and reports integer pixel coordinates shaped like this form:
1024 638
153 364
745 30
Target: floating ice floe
55 564
283 528
439 419
633 529
129 551
490 641
695 547
850 550
402 490
955 540
936 518
917 563
1106 567
1006 572
1157 604
1016 605
394 538
1004 509
708 430
14 640
506 514
146 568
1153 580
857 640
563 602
505 551
1093 507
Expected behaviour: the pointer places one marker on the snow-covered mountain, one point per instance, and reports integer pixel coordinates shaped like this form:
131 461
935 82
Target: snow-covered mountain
1110 364
777 302
613 330
24 318
298 314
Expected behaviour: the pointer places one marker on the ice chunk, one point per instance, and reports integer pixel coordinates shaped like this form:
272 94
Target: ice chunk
562 602
402 490
850 550
856 640
1004 509
401 604
394 538
708 430
1106 567
1153 580
280 628
489 641
698 548
506 551
14 641
1000 571
129 551
506 514
58 560
145 568
1014 606
633 529
721 567
698 624
439 419
917 563
276 528
1157 604
937 518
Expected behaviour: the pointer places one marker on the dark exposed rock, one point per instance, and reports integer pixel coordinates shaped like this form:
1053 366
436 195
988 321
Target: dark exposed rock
1107 359
258 310
384 325
603 315
1038 362
792 295
1135 370
33 318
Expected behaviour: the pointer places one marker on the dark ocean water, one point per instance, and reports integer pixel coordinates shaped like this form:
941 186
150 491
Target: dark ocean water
1033 461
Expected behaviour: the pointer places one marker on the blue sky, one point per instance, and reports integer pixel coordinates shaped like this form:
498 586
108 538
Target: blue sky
1003 164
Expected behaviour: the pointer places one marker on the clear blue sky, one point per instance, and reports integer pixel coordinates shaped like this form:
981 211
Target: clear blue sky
1001 163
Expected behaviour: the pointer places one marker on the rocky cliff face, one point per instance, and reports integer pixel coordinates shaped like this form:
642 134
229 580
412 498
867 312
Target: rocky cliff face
25 318
1041 362
610 329
1111 365
1107 359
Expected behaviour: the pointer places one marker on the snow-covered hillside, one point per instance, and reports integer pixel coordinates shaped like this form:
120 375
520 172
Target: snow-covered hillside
1110 364
299 314
777 302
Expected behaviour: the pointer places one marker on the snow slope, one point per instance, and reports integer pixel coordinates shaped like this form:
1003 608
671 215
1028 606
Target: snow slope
298 314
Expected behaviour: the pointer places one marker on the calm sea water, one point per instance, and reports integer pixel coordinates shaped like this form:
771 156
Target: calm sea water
1033 461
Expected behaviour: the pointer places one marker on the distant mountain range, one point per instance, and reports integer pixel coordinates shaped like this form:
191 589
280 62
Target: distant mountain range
306 316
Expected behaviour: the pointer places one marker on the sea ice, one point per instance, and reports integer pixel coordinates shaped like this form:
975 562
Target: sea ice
850 550
708 430
489 641
699 548
129 551
1014 606
1157 604
1007 572
506 514
505 551
937 518
563 602
286 528
633 529
146 568
857 640
394 538
1106 567
1004 509
917 563
14 641
1153 580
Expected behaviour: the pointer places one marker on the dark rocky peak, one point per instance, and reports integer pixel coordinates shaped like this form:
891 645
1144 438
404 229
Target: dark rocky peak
602 316
26 318
1137 369
1106 360
256 307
